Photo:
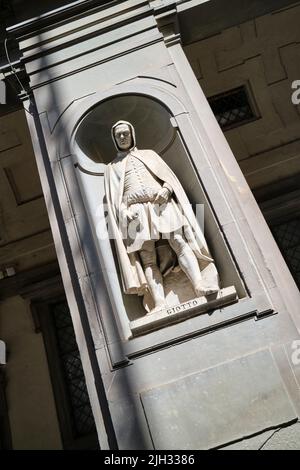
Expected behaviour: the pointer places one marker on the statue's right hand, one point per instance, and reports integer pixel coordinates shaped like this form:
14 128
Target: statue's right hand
130 215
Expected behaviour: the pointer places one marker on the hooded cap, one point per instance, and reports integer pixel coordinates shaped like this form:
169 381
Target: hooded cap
132 133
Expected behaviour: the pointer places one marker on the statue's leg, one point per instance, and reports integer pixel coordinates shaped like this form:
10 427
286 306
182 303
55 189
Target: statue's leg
153 275
189 264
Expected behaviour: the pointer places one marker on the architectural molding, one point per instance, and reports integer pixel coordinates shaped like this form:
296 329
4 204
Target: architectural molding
33 283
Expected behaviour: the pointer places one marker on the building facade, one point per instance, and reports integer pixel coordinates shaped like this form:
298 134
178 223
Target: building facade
211 91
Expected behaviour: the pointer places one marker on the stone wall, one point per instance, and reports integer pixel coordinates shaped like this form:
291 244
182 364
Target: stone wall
25 236
262 54
30 401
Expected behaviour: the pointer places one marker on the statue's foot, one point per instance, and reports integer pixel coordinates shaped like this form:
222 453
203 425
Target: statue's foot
203 289
157 308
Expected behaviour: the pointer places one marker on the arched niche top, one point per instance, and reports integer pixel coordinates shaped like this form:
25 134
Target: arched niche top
150 119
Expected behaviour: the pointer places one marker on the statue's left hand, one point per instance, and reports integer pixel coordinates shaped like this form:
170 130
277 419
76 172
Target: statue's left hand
163 196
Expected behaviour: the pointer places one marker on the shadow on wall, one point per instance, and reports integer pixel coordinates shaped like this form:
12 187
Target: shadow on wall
154 130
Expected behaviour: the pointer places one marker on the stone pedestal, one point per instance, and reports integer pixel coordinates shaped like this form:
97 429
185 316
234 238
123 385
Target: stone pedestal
180 312
87 69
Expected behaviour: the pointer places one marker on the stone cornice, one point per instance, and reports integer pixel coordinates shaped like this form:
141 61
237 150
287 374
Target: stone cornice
37 38
74 9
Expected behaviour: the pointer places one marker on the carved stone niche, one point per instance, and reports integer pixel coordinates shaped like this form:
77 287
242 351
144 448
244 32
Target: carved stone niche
155 129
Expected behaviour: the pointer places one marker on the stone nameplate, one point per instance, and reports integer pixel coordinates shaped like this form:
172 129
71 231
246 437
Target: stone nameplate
182 311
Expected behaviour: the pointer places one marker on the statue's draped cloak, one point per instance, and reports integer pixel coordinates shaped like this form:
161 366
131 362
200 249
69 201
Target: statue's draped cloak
133 278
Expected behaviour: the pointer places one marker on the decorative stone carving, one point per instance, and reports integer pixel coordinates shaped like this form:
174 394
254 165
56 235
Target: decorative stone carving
161 249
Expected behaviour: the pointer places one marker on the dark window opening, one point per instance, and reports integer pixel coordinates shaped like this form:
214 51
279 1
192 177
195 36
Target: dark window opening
5 433
82 417
73 407
232 108
287 235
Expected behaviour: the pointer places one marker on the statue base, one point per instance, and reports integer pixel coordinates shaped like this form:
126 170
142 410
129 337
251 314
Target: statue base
180 312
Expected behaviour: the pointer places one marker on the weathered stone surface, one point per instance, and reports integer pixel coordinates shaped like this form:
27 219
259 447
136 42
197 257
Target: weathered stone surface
221 404
287 438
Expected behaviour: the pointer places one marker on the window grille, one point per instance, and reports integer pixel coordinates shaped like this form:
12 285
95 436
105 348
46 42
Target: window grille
232 108
287 236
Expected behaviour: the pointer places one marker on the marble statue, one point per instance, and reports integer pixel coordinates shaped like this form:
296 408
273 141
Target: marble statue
154 227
